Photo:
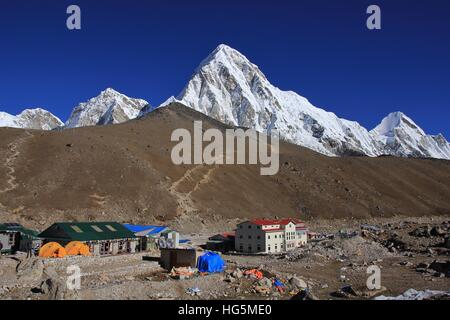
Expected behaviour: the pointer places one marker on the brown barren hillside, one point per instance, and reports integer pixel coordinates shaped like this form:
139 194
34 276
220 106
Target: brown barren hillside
124 172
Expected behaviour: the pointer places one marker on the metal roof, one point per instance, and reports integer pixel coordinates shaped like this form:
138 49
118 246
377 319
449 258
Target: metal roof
283 222
87 231
143 230
15 227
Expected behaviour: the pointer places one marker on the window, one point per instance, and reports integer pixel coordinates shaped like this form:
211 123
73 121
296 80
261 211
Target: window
259 248
250 227
76 229
250 248
241 236
97 228
241 248
258 237
276 247
249 237
275 236
268 237
11 239
268 248
111 228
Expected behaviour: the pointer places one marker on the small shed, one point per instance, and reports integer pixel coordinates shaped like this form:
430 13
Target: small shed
175 258
222 242
103 238
14 237
169 239
148 235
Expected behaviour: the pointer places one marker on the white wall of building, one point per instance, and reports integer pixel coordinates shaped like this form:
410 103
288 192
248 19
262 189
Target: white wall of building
253 238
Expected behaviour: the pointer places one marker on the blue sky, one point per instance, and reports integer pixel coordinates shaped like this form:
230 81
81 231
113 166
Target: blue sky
149 49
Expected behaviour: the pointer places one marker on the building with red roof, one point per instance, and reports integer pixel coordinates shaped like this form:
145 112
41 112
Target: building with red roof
270 235
221 242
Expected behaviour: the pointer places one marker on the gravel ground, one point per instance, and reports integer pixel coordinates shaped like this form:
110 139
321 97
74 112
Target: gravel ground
406 261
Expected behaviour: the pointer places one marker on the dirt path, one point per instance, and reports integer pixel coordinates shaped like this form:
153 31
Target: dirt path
205 179
14 153
184 199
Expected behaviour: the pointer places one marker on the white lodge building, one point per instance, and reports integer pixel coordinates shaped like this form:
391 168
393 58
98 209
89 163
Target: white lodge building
270 236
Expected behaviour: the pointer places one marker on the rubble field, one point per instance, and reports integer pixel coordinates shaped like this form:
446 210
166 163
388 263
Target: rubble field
411 253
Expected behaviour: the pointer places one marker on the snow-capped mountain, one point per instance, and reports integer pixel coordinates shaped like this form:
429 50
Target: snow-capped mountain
231 89
38 119
110 107
400 136
228 87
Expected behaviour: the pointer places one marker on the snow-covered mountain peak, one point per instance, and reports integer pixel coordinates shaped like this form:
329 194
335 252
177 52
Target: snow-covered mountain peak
231 89
110 92
228 87
37 118
109 107
222 51
394 121
401 136
227 58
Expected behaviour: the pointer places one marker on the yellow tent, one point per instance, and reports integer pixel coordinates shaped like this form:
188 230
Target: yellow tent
52 250
77 248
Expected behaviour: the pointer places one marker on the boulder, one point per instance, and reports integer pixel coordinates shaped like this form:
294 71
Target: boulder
298 283
238 274
262 289
265 282
304 295
373 293
440 266
229 278
30 271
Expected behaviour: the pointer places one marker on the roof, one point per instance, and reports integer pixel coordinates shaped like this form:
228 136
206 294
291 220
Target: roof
15 227
223 236
87 231
269 222
143 230
231 234
9 226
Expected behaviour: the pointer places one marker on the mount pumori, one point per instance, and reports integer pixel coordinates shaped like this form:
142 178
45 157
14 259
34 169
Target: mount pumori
228 87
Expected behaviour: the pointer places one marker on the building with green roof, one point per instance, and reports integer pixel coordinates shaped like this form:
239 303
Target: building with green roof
103 238
14 237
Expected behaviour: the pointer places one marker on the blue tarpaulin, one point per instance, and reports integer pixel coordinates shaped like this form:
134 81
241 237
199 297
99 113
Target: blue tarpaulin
143 230
148 230
210 262
278 283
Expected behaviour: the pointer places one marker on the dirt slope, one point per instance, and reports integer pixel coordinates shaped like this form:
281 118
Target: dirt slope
124 172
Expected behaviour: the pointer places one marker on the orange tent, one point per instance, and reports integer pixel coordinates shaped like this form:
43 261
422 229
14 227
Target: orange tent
77 248
256 273
52 250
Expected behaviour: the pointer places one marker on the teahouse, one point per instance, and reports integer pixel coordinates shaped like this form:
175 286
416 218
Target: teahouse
103 238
